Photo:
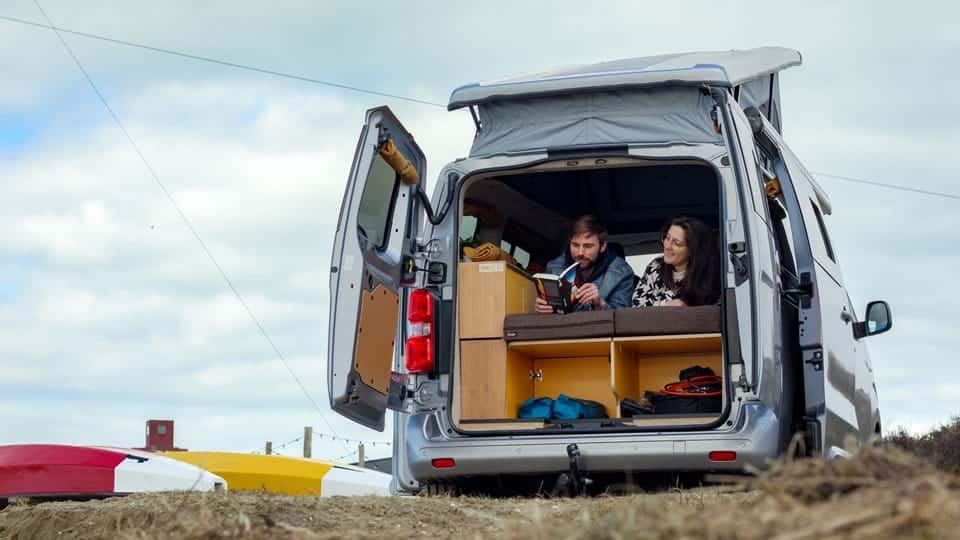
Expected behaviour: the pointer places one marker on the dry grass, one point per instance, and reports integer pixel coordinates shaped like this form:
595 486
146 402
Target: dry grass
879 493
941 446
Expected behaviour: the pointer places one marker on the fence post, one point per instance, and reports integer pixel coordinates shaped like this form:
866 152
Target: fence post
307 441
361 460
268 449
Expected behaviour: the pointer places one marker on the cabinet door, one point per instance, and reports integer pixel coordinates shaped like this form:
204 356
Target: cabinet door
584 377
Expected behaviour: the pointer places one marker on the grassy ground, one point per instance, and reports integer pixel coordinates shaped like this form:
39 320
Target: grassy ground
882 492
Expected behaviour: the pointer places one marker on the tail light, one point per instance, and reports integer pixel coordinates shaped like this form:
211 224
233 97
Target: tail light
722 455
419 346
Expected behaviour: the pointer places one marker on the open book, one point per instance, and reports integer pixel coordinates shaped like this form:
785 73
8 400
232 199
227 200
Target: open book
558 290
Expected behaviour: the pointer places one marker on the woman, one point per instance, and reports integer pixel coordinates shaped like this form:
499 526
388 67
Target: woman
687 274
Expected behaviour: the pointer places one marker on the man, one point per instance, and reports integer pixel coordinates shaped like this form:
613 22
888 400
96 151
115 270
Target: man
604 280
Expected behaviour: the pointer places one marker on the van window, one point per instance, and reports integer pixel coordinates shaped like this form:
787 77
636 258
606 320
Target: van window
823 231
521 255
376 203
468 227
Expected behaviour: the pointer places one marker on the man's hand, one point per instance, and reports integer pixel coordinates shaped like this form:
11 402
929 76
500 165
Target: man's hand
676 302
542 306
589 293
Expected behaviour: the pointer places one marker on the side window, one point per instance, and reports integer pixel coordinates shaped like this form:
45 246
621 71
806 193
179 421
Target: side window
376 203
823 231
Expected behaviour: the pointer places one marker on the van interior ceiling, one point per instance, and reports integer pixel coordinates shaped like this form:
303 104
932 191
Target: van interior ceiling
602 357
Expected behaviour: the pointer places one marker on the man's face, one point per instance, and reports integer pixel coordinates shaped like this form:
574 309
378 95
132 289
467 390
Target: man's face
585 248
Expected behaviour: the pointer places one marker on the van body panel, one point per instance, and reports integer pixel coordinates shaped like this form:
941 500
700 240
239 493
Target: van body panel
371 247
829 349
752 434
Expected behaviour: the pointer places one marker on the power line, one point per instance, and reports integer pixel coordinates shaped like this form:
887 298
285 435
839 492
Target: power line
352 88
191 56
889 186
183 216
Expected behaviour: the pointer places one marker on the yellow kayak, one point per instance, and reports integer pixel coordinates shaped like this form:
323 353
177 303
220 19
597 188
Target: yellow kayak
287 475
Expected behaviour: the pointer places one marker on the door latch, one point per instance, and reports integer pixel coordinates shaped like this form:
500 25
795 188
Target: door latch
738 256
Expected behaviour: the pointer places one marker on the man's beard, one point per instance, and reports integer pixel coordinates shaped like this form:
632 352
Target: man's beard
590 263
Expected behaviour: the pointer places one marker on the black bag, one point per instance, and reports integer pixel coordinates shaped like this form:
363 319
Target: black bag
695 371
667 404
630 408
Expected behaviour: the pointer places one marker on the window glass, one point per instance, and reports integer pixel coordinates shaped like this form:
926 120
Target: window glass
468 227
823 231
162 429
521 255
373 218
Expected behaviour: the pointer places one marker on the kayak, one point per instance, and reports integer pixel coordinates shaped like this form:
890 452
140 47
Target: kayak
66 471
287 475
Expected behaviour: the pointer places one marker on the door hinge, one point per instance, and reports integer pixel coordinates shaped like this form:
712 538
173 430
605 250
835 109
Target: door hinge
802 292
743 383
536 375
814 357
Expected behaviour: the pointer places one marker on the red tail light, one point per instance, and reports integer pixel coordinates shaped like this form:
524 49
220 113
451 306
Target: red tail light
418 350
443 463
723 455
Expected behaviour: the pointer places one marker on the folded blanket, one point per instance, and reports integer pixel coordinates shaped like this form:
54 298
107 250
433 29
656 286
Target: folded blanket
488 252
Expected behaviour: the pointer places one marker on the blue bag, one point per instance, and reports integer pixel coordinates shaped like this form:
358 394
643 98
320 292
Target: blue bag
568 408
536 408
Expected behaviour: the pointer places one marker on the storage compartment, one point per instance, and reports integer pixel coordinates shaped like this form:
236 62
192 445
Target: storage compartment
648 363
496 377
489 291
507 354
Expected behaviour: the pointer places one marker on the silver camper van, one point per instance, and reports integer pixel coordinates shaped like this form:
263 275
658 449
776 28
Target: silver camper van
447 343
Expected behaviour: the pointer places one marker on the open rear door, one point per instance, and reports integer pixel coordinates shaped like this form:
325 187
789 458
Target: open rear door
372 260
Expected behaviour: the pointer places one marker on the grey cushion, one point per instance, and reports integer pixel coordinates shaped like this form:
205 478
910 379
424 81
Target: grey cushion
656 321
537 326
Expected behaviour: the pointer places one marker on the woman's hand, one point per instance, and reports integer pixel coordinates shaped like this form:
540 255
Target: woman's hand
676 302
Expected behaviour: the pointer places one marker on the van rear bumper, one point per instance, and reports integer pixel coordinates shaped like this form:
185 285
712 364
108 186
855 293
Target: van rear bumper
753 437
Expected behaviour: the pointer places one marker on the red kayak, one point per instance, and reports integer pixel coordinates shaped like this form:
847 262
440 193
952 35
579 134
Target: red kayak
63 471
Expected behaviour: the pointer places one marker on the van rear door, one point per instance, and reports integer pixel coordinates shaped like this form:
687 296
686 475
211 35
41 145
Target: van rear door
372 261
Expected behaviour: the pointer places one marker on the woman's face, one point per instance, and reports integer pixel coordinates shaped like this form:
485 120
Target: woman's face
675 251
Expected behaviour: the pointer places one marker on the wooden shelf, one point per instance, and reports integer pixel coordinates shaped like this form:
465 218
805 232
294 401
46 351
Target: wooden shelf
680 343
564 348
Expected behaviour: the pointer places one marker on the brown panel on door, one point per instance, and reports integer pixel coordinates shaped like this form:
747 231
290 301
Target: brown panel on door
376 332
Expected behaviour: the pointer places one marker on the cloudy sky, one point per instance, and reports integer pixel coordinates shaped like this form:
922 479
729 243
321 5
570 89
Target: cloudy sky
111 313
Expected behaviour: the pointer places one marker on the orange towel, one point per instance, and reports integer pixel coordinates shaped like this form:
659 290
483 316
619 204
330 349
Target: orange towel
488 252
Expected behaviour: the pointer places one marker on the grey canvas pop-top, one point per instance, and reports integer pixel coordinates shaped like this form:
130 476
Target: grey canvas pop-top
648 100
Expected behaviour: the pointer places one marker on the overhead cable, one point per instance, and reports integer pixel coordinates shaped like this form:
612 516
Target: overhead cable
191 56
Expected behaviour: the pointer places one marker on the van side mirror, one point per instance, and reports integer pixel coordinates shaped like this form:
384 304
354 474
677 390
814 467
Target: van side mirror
878 320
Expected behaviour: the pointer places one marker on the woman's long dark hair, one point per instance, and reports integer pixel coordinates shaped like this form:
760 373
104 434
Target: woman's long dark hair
701 281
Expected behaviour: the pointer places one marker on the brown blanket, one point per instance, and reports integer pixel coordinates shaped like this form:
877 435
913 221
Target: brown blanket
488 252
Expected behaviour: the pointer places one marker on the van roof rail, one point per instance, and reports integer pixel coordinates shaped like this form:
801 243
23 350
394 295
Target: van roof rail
720 68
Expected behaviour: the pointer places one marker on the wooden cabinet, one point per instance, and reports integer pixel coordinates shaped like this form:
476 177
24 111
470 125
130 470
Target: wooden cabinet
487 292
496 377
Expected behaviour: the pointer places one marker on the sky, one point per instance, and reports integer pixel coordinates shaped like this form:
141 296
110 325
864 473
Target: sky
111 312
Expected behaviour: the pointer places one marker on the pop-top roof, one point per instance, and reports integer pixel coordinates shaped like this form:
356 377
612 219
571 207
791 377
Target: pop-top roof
722 68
